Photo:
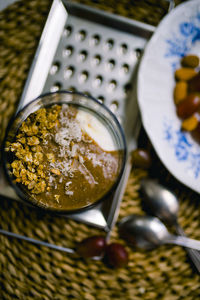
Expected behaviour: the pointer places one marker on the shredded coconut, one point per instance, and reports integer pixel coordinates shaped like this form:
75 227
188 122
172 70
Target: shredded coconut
69 134
82 168
70 129
69 193
72 153
81 159
67 184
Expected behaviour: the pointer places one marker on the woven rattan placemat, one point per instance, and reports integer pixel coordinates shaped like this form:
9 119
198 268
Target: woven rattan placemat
32 272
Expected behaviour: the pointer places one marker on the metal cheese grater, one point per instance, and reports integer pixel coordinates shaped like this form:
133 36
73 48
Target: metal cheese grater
96 53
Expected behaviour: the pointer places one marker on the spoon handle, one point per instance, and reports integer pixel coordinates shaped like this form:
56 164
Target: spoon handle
183 241
193 254
37 242
41 243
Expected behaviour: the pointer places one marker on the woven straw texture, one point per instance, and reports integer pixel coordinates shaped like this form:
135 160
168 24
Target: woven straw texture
33 272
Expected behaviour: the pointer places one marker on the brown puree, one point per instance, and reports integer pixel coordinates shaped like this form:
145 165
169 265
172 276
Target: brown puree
60 165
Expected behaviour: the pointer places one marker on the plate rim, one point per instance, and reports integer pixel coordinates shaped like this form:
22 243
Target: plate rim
164 21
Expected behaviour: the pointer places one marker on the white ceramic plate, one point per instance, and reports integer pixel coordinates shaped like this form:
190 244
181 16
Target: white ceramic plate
177 35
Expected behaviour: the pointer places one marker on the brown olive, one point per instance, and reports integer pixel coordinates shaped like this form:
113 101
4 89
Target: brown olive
191 61
188 106
141 158
91 246
194 84
116 255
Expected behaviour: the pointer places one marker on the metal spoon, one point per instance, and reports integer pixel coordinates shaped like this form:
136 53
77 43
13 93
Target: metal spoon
164 204
146 232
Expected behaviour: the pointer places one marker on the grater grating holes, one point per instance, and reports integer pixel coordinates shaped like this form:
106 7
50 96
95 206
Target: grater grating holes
69 72
96 60
67 31
110 64
104 74
68 51
98 81
81 35
127 88
83 76
54 68
124 69
56 87
109 44
95 40
114 106
112 85
101 99
138 52
82 56
135 55
123 49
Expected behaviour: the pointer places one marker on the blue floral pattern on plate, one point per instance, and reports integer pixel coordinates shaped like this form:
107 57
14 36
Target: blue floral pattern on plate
178 46
184 150
182 41
177 35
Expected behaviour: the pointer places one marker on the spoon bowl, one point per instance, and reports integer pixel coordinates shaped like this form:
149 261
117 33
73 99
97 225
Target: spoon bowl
147 232
163 203
144 232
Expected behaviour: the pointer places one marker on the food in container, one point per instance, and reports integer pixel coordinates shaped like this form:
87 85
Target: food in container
64 152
